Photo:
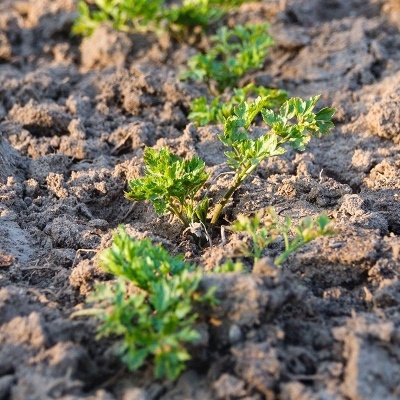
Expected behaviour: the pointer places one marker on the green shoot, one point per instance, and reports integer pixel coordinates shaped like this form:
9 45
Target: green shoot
171 184
293 124
155 318
234 52
194 13
228 266
220 109
150 15
262 235
124 15
306 231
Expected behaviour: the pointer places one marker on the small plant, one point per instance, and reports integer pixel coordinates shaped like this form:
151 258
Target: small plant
172 183
192 13
150 305
150 15
234 52
228 266
123 15
262 235
220 109
293 124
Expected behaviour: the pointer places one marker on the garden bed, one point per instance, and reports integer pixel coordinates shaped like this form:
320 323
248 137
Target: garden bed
75 116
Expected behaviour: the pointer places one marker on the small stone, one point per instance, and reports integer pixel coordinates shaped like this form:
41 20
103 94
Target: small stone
235 334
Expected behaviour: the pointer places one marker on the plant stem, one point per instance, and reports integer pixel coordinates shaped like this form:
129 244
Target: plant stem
182 218
223 202
239 178
287 252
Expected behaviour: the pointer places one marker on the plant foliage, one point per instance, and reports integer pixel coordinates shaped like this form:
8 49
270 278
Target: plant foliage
220 109
192 13
150 15
172 183
123 15
150 305
233 53
293 124
262 235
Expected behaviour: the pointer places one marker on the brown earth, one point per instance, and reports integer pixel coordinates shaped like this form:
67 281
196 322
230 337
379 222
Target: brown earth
75 116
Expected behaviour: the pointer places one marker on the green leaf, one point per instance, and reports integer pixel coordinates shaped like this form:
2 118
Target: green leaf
154 320
234 52
170 183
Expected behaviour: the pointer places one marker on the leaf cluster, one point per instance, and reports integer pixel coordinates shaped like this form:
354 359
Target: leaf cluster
156 319
192 13
123 15
233 53
221 108
293 124
150 15
264 234
171 184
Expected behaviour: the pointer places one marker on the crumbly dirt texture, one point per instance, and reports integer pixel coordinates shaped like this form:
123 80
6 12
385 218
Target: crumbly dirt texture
75 116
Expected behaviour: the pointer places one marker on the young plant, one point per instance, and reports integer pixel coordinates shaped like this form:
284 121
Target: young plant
150 305
124 15
262 235
171 184
234 52
293 124
220 108
150 15
192 13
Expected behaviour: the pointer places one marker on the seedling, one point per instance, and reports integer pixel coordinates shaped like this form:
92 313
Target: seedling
172 183
234 52
262 235
150 305
123 15
194 13
150 15
220 108
293 124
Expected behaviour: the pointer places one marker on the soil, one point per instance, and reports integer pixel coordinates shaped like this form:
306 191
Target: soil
75 115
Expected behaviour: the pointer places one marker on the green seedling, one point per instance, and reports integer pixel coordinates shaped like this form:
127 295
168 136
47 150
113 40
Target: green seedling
192 13
262 235
172 183
233 53
150 15
220 108
123 15
150 304
293 124
229 266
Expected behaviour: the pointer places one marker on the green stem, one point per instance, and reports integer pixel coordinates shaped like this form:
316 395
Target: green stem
286 239
287 252
239 178
223 202
180 215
